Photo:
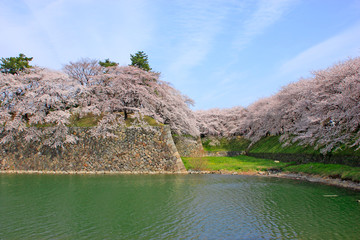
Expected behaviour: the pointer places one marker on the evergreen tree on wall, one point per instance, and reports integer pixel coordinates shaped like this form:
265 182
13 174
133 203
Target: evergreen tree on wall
140 60
108 63
15 64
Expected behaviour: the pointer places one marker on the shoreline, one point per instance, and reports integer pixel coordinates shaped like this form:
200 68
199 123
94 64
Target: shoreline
321 179
89 172
287 175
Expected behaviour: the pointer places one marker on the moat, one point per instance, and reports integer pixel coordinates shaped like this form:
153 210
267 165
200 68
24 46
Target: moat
174 207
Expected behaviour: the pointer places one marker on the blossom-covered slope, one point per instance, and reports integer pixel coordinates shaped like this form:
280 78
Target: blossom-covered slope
322 111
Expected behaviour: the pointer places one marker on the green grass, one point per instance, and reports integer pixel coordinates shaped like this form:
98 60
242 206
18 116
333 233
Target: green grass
151 121
239 163
327 170
42 125
346 150
225 144
271 144
90 120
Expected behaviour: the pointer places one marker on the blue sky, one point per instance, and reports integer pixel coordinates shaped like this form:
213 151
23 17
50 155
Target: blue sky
221 53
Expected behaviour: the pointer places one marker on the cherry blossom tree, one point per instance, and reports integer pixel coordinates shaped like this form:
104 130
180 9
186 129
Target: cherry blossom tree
40 103
130 89
37 97
221 122
322 111
83 70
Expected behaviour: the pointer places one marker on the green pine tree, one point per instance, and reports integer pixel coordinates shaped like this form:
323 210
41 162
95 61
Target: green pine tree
140 60
108 63
15 64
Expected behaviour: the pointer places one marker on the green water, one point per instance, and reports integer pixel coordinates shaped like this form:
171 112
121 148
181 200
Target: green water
174 207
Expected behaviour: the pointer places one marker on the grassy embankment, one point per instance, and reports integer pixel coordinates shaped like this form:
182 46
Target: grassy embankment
271 145
250 164
225 144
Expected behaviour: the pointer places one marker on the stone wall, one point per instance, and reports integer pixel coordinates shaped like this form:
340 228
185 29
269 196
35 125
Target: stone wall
189 146
147 149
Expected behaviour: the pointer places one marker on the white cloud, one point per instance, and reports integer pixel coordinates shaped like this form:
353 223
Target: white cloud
326 53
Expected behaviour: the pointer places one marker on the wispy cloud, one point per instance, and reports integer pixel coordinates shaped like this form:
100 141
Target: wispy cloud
58 31
197 23
267 13
345 44
23 34
251 22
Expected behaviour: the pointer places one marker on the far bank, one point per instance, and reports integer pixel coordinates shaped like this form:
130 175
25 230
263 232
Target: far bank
332 174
